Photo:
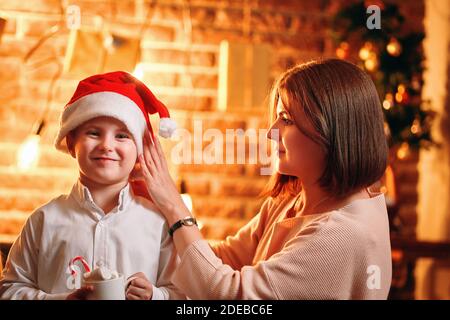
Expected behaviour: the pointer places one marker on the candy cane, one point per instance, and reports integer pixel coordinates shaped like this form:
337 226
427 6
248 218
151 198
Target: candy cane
72 262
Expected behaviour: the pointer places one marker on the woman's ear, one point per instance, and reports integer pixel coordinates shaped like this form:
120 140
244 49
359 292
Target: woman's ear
70 141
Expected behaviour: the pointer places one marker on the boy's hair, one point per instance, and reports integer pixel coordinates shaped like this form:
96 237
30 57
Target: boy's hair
342 104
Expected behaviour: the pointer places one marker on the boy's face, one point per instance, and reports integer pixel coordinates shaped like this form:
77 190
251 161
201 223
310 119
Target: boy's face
104 149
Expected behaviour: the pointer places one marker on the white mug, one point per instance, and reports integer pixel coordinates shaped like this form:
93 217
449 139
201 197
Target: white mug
112 289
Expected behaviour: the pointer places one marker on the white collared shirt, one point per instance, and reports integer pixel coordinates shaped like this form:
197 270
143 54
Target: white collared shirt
131 238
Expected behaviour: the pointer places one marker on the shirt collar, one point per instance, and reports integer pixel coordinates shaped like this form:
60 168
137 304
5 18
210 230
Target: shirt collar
84 198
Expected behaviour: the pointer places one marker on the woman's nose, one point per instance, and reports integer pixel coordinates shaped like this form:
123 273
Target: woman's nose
273 133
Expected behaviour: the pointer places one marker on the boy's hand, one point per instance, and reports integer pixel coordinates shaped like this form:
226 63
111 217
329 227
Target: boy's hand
140 288
80 294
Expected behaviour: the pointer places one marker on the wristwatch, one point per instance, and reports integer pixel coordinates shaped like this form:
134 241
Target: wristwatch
186 221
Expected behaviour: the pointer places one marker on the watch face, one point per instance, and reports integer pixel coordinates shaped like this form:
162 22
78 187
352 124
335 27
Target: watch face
188 222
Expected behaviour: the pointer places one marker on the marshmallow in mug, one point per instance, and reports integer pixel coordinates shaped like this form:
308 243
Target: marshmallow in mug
100 273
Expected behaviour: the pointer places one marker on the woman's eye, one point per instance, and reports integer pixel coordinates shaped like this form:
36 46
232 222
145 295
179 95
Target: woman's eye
287 121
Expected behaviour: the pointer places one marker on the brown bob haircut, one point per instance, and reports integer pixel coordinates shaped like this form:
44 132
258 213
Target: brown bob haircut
342 104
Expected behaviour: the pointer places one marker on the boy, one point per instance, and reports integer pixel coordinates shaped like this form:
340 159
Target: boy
101 220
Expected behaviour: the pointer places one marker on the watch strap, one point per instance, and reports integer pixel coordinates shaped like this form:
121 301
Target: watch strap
187 221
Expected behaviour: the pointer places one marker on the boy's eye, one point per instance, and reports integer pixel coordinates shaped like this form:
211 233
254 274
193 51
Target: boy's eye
92 133
123 136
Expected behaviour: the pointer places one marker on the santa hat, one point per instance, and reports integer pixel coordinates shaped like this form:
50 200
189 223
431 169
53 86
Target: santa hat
118 95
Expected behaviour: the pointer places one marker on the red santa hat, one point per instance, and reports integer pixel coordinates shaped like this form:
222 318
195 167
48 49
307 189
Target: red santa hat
118 95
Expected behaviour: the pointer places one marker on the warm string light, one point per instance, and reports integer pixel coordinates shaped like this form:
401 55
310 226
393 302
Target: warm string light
388 101
372 62
29 151
401 96
342 51
365 51
369 56
403 151
394 48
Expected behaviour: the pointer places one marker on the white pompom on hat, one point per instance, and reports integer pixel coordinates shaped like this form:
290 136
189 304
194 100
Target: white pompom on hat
118 95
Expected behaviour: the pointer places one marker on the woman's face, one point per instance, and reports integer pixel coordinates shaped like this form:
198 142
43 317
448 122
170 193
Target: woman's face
298 155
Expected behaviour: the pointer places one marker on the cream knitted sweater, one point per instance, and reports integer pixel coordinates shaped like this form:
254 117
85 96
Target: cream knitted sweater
342 254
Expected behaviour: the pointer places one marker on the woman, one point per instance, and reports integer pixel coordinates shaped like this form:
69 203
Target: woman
320 234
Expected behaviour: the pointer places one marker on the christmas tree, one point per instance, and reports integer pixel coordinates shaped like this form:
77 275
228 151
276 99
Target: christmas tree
393 56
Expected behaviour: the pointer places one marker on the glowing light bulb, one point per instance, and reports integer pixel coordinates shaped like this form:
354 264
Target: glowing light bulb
28 153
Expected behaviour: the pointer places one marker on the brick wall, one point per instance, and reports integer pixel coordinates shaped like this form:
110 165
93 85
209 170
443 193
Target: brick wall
182 57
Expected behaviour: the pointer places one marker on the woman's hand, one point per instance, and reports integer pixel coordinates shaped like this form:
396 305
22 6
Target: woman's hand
164 193
139 288
159 183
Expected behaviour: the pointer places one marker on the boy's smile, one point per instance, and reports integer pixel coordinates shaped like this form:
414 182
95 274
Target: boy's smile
104 159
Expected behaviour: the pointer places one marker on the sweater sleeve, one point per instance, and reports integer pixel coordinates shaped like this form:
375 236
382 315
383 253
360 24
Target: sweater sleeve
238 250
315 264
19 278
